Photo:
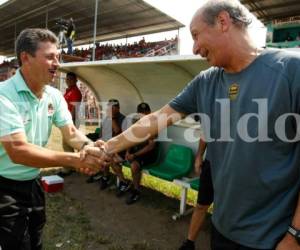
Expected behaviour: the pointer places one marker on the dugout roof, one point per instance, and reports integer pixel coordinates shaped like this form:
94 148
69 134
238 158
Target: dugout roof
268 10
155 80
116 19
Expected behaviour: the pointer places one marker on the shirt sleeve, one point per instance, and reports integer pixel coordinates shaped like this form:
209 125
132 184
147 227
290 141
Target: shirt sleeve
186 101
62 115
10 119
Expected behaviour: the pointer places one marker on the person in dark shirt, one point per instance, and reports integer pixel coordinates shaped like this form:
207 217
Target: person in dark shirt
73 96
138 157
73 99
111 126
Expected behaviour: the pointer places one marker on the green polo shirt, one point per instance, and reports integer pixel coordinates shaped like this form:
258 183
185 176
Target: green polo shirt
22 112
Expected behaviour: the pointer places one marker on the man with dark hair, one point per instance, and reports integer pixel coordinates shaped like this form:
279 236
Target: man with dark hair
29 107
254 162
73 98
139 156
111 126
143 108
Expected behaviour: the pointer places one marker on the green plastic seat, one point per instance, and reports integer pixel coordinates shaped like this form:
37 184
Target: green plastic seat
98 130
195 184
158 153
177 163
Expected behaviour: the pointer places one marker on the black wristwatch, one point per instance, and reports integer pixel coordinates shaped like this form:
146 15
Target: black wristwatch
294 232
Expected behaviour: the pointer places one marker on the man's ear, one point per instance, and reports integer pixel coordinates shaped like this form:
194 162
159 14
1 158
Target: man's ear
224 20
24 56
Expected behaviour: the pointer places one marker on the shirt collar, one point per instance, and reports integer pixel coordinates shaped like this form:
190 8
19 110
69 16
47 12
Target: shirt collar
19 82
21 85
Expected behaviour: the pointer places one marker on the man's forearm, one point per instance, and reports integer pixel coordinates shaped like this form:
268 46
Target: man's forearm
143 130
73 137
136 134
35 156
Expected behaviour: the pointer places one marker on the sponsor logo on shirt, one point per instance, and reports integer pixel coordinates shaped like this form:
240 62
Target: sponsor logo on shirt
50 109
233 91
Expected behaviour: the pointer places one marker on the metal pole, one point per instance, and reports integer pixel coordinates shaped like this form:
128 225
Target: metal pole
47 17
15 31
95 29
178 42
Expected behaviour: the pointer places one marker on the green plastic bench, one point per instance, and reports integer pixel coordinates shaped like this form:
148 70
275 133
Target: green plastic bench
195 184
177 163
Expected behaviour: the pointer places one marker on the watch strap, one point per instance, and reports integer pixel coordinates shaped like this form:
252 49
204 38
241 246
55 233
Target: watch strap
294 232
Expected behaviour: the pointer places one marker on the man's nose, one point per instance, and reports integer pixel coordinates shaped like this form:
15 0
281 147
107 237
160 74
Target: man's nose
56 61
196 48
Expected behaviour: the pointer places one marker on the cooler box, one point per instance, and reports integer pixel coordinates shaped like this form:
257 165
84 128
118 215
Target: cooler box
52 183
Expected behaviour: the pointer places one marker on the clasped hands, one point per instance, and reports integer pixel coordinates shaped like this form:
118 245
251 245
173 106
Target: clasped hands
94 158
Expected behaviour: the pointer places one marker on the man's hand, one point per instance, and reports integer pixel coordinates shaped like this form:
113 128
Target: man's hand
98 153
117 159
88 165
130 157
198 164
288 243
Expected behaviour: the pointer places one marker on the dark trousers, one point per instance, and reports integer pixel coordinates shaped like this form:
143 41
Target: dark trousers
22 214
219 242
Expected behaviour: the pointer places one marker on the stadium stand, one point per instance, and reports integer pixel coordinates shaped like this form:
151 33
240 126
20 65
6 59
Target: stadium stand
137 49
108 52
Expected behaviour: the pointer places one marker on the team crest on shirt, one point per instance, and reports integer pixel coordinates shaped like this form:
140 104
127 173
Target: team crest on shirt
233 91
50 109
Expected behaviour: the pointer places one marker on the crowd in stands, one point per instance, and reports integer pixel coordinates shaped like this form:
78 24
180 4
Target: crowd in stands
109 51
137 49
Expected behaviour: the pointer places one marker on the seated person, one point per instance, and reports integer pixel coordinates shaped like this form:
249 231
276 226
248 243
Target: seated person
111 125
95 135
138 156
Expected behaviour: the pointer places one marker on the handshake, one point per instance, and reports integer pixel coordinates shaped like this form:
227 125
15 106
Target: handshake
93 158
